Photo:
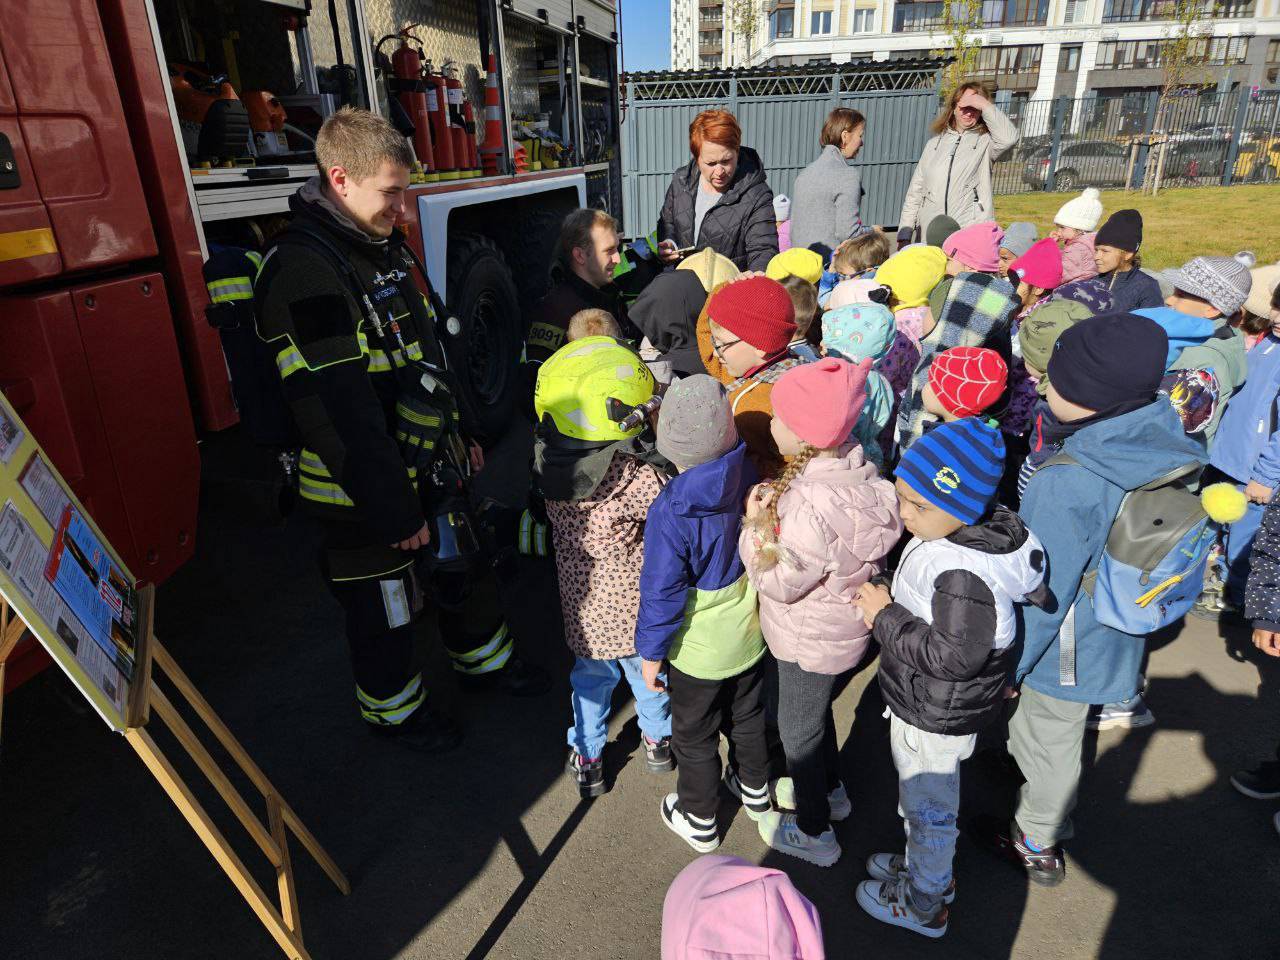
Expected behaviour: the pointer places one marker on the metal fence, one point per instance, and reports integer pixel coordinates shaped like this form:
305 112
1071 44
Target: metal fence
1201 139
781 113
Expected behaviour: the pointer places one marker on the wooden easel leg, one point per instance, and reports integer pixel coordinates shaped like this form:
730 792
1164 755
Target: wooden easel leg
11 628
232 746
216 843
284 871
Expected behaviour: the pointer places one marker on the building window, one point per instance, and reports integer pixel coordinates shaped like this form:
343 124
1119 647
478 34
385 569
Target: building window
864 20
820 23
1146 54
709 63
1273 51
782 24
1008 61
1131 11
1069 60
910 16
1076 11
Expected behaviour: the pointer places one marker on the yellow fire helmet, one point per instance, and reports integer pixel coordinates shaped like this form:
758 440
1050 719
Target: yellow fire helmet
587 386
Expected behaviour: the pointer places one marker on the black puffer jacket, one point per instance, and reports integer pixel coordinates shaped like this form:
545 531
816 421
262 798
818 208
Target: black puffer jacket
740 226
946 641
667 313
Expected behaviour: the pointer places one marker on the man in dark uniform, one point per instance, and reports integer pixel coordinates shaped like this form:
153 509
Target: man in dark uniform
587 254
366 380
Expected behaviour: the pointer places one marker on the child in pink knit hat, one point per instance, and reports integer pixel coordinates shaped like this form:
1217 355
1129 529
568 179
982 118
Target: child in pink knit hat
975 248
723 908
811 538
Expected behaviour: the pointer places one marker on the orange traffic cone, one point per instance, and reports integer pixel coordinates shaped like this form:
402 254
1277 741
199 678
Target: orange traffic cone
491 154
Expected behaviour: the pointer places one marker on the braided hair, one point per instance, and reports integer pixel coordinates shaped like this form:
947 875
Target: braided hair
766 523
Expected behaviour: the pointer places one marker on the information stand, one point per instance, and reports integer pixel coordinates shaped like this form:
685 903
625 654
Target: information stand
61 581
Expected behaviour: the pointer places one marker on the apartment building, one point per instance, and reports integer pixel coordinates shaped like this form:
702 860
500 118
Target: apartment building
702 37
1031 49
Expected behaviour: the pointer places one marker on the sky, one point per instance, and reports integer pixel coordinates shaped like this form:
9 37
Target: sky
646 34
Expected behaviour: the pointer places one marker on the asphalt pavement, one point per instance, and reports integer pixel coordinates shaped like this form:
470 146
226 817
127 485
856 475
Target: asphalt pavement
489 853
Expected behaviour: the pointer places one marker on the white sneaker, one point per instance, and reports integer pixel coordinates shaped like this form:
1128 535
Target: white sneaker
755 802
699 834
780 831
784 791
893 866
886 901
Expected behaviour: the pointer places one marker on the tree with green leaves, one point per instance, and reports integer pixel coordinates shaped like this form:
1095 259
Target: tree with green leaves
959 19
1184 58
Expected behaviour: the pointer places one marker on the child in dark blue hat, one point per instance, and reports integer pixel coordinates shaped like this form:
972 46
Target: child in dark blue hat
946 652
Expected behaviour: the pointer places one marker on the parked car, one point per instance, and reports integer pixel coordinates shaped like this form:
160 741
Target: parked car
1259 161
1194 160
1081 163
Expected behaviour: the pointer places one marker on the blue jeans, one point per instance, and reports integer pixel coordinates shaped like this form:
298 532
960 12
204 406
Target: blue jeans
1239 544
593 682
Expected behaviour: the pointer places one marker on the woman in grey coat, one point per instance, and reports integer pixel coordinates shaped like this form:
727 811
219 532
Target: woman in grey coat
953 176
828 192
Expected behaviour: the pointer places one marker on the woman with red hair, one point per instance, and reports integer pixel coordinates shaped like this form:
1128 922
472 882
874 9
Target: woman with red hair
720 199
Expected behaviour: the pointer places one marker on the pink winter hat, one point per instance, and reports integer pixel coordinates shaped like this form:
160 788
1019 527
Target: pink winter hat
723 908
822 401
977 246
846 292
1041 266
1077 259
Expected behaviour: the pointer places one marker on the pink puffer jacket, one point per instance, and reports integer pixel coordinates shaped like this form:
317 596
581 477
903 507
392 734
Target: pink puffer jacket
838 521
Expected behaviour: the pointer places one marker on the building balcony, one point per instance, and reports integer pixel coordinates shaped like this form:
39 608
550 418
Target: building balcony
1139 11
704 4
710 49
929 16
774 5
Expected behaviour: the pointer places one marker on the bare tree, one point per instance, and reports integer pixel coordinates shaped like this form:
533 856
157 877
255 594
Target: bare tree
959 19
1184 56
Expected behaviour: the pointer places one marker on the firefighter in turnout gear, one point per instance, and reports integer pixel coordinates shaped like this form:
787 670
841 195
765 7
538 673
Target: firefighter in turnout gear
383 464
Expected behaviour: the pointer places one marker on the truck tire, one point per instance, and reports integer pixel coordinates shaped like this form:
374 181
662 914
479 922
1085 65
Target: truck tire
486 352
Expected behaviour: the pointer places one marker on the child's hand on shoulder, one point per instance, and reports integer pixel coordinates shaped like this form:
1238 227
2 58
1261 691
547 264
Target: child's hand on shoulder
650 669
758 500
872 598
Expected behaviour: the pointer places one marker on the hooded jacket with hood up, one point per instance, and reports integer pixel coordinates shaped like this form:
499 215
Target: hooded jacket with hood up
947 640
1070 507
666 312
953 175
741 225
697 608
838 520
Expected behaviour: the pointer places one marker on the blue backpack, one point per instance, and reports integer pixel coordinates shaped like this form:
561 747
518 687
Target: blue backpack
1153 565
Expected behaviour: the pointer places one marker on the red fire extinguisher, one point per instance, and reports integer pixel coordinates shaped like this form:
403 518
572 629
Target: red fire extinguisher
441 135
473 149
406 63
457 129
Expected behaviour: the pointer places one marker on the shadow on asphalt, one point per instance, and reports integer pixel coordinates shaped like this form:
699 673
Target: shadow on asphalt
95 863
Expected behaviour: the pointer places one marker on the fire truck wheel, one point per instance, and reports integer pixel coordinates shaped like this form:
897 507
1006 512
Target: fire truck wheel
486 352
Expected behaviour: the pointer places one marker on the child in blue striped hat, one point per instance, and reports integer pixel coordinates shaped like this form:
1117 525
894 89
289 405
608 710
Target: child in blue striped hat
946 651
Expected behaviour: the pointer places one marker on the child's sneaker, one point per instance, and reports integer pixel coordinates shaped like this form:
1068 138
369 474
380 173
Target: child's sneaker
1046 866
1260 783
1123 714
697 833
588 773
784 791
657 754
886 901
780 831
893 866
755 800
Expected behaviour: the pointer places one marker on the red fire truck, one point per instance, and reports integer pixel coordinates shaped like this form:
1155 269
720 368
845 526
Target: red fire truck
137 135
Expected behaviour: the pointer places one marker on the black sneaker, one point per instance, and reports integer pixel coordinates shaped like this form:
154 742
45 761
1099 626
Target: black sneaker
1260 783
1047 867
658 755
423 731
516 679
588 773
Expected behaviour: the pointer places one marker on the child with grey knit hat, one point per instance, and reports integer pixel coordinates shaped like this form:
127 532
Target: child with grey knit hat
698 612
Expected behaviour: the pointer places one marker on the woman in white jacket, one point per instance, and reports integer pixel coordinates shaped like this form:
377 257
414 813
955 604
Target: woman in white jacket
953 176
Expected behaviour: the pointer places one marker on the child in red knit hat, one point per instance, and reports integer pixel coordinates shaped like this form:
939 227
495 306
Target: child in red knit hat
743 336
964 381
